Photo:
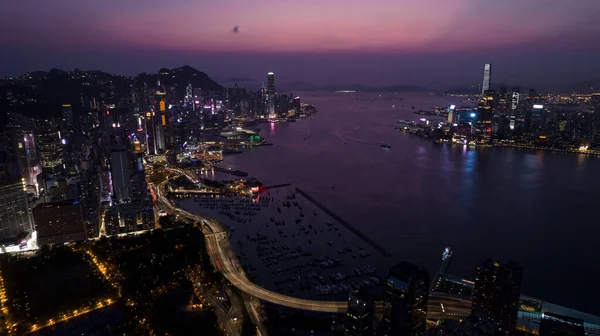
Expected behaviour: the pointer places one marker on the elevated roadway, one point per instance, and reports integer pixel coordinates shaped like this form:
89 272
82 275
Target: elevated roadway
223 257
226 262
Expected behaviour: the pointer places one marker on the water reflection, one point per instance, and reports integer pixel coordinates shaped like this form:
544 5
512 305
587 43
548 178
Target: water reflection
419 197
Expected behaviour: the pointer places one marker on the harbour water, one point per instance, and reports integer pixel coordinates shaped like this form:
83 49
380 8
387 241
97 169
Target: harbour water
287 244
415 198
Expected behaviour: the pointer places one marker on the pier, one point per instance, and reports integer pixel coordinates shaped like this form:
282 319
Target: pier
345 224
229 171
278 186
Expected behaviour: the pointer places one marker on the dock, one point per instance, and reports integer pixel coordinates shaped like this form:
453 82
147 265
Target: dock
278 186
347 225
229 171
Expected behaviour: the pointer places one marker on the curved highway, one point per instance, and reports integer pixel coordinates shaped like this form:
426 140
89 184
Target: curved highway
226 261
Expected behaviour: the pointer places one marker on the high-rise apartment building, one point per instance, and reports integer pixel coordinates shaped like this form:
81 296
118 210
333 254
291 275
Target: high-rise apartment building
359 315
120 166
50 149
59 222
497 292
405 300
15 217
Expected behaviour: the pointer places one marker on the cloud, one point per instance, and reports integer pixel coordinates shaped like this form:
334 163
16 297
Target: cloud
236 29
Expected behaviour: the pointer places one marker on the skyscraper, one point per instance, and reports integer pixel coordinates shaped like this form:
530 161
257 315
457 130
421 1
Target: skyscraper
359 316
497 291
555 325
120 166
485 114
405 300
270 96
59 222
49 147
514 106
487 78
271 83
15 217
150 128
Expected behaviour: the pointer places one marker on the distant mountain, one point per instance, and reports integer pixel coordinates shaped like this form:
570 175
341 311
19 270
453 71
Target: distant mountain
364 88
43 93
180 78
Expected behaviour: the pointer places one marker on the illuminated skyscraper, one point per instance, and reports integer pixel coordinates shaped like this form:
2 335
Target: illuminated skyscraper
270 96
150 127
487 78
121 175
359 316
497 292
271 83
485 114
405 300
514 106
15 217
162 126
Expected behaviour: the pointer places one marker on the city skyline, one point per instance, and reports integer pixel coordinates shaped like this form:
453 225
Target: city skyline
290 168
430 43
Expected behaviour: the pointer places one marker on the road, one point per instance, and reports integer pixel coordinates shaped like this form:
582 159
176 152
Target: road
227 263
223 257
231 317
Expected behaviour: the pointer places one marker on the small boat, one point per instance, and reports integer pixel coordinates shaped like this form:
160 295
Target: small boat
385 145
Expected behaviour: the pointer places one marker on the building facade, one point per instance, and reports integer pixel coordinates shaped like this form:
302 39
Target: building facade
59 222
405 301
359 315
497 291
120 166
15 217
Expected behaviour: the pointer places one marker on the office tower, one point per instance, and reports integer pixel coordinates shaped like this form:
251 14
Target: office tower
150 127
59 222
514 106
485 114
270 96
120 167
49 144
497 291
359 315
67 118
15 218
22 154
162 126
555 325
405 300
487 78
271 83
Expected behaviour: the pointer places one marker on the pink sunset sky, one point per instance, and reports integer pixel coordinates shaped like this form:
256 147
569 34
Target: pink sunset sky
58 30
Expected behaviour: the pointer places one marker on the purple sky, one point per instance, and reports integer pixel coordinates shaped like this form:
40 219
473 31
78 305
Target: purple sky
375 42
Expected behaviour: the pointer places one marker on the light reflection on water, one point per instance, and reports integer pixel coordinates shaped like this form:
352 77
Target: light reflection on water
537 208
